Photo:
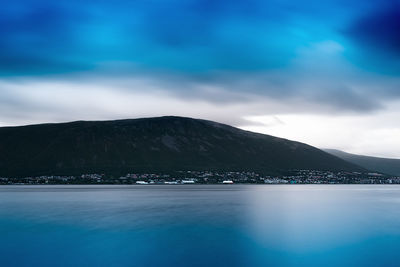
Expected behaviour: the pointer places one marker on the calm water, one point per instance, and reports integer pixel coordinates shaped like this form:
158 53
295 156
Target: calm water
195 225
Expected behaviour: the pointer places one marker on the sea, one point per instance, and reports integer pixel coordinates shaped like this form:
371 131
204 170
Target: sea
200 225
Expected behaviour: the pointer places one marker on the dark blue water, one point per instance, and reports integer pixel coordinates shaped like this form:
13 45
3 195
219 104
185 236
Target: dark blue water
195 225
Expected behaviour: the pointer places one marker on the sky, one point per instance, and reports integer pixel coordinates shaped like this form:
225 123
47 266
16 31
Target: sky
326 73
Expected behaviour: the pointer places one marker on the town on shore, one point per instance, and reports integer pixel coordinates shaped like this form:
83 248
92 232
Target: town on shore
211 177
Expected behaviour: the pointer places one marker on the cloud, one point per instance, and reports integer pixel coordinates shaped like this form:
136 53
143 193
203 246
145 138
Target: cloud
305 86
187 38
379 30
376 37
195 36
372 134
36 38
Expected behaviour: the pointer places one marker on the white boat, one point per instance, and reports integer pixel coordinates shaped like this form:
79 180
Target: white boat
174 182
187 182
141 182
227 182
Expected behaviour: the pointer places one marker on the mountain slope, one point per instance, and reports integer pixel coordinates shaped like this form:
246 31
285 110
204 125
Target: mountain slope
152 144
383 165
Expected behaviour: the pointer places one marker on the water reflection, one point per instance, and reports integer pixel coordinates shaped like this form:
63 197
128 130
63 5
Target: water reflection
196 225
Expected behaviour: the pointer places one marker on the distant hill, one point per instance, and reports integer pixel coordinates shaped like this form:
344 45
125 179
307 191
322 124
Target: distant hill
160 144
383 165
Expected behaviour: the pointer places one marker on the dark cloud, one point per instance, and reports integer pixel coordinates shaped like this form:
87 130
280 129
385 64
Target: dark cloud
174 36
379 30
37 39
376 39
185 37
345 99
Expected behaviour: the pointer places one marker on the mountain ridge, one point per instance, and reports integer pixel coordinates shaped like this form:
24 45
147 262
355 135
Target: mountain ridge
384 165
158 144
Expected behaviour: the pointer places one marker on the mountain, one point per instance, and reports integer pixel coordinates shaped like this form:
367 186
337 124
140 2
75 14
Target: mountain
162 144
383 165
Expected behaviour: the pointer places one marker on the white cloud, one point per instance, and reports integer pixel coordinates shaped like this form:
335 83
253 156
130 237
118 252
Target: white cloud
373 134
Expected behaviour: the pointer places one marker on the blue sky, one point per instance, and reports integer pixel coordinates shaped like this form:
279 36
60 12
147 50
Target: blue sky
245 63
